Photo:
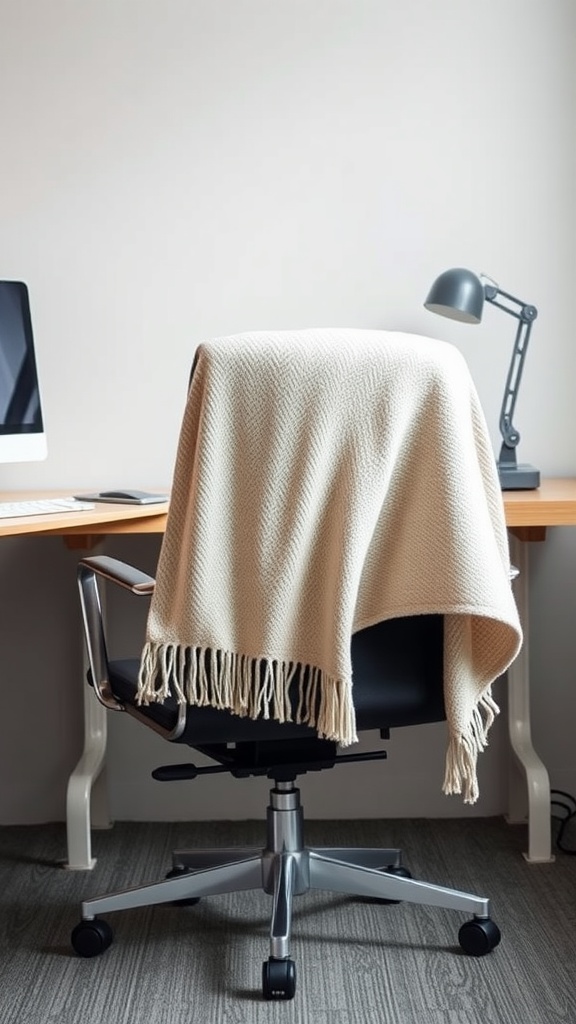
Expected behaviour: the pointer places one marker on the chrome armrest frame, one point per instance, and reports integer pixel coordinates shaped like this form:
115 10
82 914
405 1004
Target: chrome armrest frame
112 570
90 570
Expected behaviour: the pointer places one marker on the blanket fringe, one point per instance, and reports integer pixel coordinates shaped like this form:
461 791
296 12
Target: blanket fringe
463 750
255 687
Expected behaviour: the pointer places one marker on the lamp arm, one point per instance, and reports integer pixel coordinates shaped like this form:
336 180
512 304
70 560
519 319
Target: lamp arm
526 315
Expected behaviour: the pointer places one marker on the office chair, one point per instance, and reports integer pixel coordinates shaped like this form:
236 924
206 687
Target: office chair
398 681
335 560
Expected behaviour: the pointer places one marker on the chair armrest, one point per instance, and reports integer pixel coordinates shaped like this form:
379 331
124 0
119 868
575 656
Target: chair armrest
122 573
90 572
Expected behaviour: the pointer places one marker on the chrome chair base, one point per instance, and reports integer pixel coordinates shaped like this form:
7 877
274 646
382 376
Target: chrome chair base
286 868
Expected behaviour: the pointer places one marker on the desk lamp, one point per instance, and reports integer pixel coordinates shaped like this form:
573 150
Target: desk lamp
460 294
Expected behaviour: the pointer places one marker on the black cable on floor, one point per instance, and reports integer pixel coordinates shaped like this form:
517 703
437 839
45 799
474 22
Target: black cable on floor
568 805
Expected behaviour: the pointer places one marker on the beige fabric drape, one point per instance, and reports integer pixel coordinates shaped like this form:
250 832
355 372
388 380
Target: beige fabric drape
326 480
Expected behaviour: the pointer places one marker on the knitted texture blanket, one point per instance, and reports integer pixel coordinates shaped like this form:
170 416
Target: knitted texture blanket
327 480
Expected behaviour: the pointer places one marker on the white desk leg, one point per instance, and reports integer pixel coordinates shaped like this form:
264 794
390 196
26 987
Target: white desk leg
85 774
88 780
536 776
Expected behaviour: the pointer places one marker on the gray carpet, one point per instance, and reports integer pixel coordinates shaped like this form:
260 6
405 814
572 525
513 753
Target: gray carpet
357 962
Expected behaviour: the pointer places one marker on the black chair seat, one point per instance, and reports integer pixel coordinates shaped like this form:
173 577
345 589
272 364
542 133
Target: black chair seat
406 652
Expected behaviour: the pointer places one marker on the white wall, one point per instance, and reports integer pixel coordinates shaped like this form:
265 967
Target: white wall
179 169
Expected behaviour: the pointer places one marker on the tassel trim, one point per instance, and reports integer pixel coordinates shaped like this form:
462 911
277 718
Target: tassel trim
250 687
463 750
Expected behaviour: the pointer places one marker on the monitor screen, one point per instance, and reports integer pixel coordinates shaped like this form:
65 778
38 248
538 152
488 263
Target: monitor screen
22 437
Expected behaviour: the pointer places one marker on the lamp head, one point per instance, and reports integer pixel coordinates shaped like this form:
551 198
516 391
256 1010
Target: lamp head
458 294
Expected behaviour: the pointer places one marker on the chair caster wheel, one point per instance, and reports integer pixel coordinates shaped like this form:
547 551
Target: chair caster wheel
192 900
479 936
400 872
278 979
90 938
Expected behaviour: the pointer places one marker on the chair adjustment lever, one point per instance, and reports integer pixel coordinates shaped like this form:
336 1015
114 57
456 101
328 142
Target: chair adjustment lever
176 772
368 755
179 772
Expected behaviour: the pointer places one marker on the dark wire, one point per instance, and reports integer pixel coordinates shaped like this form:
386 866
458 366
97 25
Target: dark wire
570 814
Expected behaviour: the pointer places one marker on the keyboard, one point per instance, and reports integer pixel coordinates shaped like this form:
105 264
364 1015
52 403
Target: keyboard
42 507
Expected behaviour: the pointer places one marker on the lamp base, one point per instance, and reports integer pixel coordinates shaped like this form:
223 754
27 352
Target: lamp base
521 477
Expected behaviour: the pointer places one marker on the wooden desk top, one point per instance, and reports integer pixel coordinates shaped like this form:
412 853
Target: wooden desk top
528 513
102 520
553 504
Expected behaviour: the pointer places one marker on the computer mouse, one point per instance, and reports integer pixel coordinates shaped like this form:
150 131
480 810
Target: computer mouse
124 495
127 497
133 497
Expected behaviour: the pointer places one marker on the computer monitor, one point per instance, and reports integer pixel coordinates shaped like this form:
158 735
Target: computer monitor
22 437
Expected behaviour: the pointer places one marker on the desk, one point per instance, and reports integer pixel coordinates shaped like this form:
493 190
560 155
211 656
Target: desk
528 514
84 532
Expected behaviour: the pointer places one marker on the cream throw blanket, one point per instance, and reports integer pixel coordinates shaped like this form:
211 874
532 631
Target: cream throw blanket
327 480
